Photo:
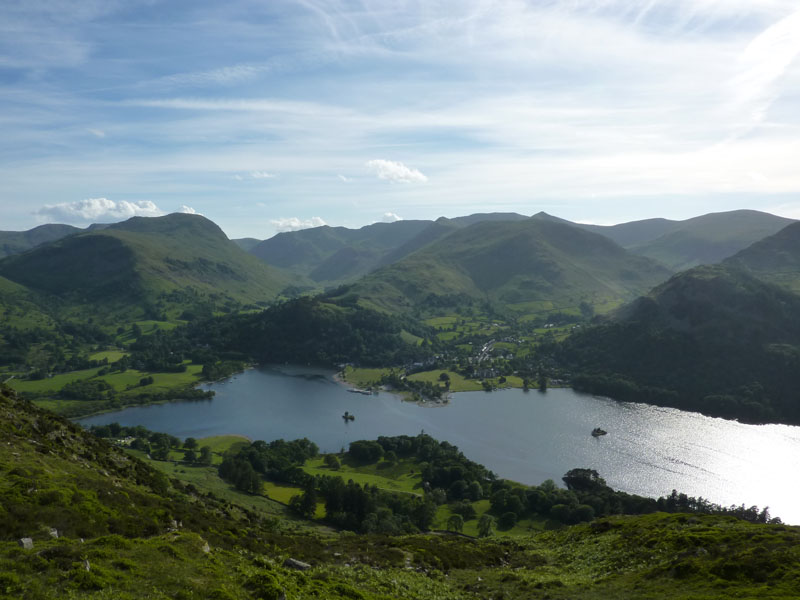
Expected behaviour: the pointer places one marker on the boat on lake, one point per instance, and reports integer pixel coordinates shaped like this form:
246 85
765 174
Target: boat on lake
597 432
348 417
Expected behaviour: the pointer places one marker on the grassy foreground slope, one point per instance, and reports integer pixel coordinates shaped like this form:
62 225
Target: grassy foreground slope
127 532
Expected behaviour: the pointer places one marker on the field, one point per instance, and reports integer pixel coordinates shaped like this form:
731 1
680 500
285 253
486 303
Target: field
44 392
458 383
206 478
401 477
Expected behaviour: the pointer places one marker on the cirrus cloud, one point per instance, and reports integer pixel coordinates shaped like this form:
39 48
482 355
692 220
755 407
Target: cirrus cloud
296 224
395 171
98 210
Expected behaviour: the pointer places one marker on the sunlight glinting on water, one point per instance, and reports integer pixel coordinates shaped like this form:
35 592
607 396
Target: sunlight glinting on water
525 436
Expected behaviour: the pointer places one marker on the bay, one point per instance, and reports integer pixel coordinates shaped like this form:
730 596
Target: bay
524 436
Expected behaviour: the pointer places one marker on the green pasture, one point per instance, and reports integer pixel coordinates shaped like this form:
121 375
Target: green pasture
110 355
404 476
458 383
361 377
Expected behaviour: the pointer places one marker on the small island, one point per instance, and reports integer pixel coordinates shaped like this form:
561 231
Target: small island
597 432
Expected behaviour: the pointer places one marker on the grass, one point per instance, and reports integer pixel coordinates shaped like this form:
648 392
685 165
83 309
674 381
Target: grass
51 384
360 377
223 444
458 383
403 477
126 384
109 355
117 541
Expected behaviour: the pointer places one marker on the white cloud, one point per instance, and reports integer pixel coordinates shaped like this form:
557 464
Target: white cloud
764 62
295 223
390 217
97 132
261 175
395 171
98 210
187 210
343 178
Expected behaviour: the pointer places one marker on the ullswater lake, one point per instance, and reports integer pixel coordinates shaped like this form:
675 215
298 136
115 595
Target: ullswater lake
525 436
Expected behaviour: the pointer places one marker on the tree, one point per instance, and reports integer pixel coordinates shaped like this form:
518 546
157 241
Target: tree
332 462
485 525
190 443
475 491
455 523
190 456
542 381
205 455
507 520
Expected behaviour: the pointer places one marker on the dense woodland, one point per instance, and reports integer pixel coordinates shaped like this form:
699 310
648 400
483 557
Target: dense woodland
714 339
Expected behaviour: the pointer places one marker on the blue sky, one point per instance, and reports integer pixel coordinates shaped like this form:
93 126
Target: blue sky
274 115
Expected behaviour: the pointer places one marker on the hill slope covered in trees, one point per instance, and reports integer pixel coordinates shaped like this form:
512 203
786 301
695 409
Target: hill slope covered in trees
713 339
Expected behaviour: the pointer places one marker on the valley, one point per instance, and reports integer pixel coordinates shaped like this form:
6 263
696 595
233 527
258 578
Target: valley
490 325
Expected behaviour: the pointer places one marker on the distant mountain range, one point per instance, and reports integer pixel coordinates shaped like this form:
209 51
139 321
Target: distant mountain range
521 265
723 339
775 259
145 265
330 256
518 262
16 242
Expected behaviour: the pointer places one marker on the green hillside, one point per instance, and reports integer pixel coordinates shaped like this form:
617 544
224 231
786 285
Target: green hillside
148 267
16 242
80 518
335 255
634 233
512 264
710 238
713 339
775 259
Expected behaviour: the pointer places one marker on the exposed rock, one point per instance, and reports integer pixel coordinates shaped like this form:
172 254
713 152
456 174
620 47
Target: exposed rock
206 548
53 533
86 564
26 543
293 563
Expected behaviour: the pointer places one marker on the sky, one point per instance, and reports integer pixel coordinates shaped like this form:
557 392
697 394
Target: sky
274 115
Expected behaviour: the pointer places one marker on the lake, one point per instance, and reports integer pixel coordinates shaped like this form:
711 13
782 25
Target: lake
525 436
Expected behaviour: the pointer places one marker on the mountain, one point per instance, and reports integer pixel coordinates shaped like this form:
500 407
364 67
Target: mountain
16 242
713 339
334 255
146 264
247 244
679 245
775 258
634 233
514 264
710 238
